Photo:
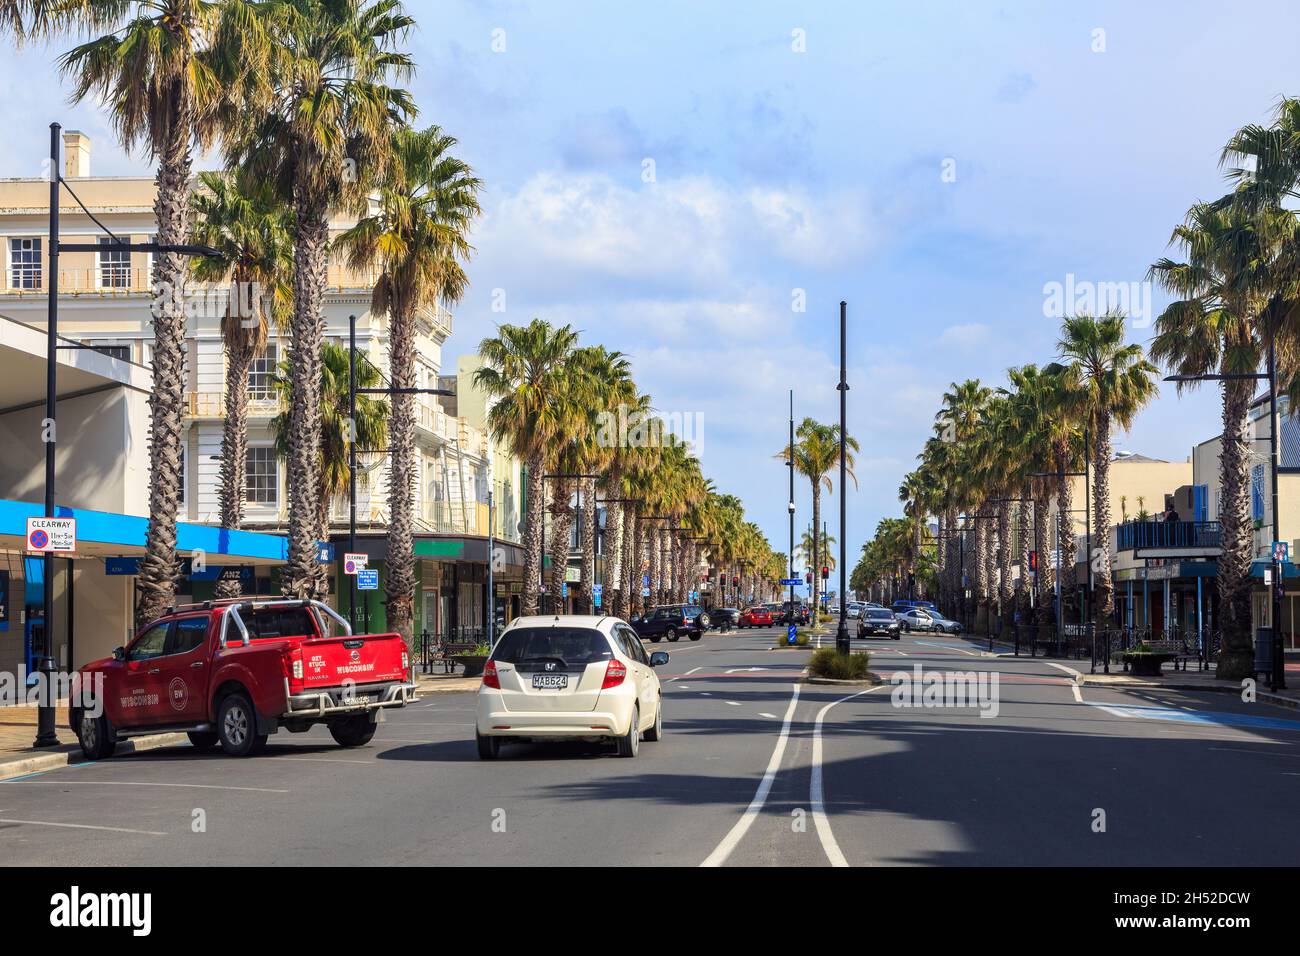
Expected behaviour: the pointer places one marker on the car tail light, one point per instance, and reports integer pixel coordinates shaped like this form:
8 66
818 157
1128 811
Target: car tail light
297 668
490 678
406 661
614 674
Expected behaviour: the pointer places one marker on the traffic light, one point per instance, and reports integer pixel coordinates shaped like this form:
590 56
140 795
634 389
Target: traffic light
735 580
808 577
826 572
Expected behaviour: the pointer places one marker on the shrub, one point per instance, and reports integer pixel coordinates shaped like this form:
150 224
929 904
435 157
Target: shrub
828 662
801 639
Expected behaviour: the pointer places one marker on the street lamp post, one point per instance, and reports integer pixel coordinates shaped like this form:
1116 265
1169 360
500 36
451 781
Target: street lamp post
45 722
790 464
842 635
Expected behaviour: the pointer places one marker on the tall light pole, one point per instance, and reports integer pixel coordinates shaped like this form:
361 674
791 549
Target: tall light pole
842 635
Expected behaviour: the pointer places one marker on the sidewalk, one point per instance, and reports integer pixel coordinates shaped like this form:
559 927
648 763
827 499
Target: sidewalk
446 683
1194 680
18 729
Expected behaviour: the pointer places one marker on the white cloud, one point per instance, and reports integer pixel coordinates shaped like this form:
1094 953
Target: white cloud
965 334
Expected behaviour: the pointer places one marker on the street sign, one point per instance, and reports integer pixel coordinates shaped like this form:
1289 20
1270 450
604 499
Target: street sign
1281 551
368 580
121 565
51 534
792 635
790 582
352 563
597 592
324 552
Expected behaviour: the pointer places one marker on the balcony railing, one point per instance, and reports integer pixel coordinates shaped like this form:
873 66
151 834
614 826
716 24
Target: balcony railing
124 280
1191 535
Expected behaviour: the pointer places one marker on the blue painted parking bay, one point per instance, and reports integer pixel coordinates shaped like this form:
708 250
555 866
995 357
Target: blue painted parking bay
1220 718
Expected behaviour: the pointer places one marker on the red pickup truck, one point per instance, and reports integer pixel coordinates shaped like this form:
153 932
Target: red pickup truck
233 672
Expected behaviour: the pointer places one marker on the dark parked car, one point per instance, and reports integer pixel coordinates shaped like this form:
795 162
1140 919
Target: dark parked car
728 615
672 621
878 620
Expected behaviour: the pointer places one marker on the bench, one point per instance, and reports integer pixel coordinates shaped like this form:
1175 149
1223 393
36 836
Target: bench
447 651
1161 651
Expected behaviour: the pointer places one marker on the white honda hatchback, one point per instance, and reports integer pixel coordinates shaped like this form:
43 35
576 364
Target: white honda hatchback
567 676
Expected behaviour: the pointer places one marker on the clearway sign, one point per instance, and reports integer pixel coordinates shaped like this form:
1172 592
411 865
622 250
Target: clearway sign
51 534
352 563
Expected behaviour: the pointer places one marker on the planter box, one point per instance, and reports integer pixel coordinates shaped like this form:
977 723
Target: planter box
1148 664
473 663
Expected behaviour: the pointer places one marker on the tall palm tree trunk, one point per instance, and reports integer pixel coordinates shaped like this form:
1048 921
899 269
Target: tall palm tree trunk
1005 587
561 526
1046 572
533 517
158 568
614 559
816 543
1066 542
588 518
304 576
1236 655
400 582
1100 557
234 447
635 563
1024 544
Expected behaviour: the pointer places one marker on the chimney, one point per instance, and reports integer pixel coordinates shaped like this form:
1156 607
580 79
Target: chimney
76 154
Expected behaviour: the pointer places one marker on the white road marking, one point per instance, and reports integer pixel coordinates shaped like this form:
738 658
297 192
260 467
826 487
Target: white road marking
815 794
740 670
1061 667
1078 694
80 826
733 837
316 759
763 713
60 782
733 703
687 674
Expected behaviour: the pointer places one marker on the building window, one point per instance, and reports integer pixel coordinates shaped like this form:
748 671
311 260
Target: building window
261 375
24 263
261 476
114 265
122 352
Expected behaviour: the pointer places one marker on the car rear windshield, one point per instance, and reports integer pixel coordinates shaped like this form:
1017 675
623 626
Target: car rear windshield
279 622
572 645
879 614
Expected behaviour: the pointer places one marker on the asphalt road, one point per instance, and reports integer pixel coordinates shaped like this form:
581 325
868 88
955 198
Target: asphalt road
755 769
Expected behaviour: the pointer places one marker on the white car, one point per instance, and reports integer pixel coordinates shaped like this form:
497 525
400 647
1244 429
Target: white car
569 676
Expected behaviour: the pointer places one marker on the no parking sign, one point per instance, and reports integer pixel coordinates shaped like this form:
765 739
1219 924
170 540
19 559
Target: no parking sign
52 534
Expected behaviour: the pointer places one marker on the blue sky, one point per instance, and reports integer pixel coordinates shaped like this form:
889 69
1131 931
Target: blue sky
1067 151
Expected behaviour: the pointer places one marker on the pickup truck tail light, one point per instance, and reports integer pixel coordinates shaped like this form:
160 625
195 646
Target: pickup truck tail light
490 678
297 668
406 661
614 674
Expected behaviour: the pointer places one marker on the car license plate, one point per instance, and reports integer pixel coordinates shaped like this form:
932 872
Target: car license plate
358 700
550 681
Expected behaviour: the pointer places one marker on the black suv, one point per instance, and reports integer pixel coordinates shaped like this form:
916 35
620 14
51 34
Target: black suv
672 621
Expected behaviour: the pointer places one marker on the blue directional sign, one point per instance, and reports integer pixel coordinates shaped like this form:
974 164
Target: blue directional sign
791 582
368 580
596 593
324 552
792 635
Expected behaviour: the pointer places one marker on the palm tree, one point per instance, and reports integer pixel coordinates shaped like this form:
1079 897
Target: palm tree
323 137
415 228
524 378
816 452
1116 381
914 493
332 477
162 67
252 230
1216 327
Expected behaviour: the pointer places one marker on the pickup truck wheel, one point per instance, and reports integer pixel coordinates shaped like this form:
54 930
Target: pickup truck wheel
630 743
353 732
237 727
696 635
93 735
203 740
671 634
488 747
654 638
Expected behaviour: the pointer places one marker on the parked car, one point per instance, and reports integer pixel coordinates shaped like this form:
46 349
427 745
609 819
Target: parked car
854 610
231 673
800 613
672 621
565 677
899 606
919 619
720 615
757 616
878 620
945 624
